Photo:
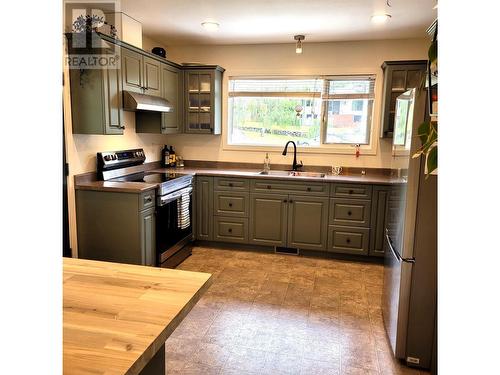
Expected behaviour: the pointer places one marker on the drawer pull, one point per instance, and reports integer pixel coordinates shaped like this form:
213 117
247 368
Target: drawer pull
148 199
308 189
230 230
269 186
284 201
351 191
230 205
348 240
290 201
349 213
230 184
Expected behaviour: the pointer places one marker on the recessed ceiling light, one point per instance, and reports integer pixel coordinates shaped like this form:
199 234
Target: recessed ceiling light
210 25
380 18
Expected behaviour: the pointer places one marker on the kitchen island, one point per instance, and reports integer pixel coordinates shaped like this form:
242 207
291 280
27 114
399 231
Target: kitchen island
117 317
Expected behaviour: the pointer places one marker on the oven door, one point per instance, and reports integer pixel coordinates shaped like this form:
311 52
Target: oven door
174 222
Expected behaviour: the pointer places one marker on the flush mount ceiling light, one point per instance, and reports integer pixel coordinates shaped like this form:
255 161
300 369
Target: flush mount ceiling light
298 44
380 18
210 25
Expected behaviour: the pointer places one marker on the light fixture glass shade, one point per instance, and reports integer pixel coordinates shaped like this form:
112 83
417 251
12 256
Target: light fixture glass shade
210 25
380 18
298 47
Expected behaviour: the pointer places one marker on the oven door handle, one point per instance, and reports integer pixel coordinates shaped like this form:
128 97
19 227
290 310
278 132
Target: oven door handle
174 196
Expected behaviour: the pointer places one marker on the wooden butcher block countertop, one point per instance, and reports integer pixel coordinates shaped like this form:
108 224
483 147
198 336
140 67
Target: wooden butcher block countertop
116 316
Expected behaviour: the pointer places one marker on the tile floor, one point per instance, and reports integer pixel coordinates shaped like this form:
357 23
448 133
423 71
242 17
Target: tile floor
277 314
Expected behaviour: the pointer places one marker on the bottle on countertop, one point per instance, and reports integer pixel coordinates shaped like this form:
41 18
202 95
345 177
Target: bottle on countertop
165 157
267 163
171 157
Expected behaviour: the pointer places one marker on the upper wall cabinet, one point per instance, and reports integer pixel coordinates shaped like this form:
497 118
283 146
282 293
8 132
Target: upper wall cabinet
140 73
203 99
171 88
399 76
96 101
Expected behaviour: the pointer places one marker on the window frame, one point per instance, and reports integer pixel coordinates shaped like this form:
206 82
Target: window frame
323 148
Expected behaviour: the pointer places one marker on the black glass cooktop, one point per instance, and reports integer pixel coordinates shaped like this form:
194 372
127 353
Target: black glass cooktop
151 177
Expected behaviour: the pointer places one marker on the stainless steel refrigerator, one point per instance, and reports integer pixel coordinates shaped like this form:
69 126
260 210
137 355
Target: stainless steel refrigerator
409 303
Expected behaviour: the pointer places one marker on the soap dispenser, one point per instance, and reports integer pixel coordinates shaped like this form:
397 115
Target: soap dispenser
267 163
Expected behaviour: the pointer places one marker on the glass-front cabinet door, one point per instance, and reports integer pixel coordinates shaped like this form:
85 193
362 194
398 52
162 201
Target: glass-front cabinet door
200 102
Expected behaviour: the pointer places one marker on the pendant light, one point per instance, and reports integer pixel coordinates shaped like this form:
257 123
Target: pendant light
298 44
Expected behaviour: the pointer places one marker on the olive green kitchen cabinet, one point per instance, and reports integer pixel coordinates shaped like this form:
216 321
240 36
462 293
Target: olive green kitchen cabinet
116 227
307 222
96 101
140 73
268 219
203 99
171 90
204 208
172 86
379 214
399 76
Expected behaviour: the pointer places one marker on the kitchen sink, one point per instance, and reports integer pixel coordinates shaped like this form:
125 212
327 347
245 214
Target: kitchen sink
293 173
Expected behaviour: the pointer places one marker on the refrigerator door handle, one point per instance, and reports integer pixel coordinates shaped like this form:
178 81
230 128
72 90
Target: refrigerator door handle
394 252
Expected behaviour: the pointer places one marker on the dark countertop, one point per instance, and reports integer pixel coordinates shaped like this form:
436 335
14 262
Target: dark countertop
139 187
379 179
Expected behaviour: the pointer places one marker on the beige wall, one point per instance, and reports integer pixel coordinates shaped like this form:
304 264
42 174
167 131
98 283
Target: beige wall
280 59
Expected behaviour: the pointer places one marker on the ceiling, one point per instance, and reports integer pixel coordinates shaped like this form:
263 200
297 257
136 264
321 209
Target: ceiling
177 22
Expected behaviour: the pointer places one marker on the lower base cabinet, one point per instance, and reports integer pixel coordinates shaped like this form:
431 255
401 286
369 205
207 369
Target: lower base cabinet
307 222
289 221
231 229
348 240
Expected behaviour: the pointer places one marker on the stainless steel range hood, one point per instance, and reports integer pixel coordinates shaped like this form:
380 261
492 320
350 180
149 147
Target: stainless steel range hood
133 101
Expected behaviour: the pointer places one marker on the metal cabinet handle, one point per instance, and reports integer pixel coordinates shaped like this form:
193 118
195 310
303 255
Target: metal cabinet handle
349 213
230 230
351 191
269 186
348 240
122 127
284 201
290 201
230 205
230 184
308 189
148 199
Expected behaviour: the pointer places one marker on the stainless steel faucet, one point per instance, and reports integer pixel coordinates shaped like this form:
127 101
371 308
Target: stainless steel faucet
295 165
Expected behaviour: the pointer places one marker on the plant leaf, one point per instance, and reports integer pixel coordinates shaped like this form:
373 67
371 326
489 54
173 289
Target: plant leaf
423 131
433 51
432 160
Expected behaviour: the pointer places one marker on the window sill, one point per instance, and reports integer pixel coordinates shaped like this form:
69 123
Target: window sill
325 149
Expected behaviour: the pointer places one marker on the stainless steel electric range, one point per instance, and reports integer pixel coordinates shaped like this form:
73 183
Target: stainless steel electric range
174 203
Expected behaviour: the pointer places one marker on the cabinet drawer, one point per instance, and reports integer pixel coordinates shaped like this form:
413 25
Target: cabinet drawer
350 212
282 186
351 191
350 240
231 203
146 200
232 184
230 229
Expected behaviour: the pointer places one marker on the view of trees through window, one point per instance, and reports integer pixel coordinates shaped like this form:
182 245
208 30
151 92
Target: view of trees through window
270 112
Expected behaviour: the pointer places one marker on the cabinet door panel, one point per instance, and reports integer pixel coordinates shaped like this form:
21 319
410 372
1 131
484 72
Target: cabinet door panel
148 245
379 219
152 71
307 222
132 71
113 101
204 208
171 91
268 219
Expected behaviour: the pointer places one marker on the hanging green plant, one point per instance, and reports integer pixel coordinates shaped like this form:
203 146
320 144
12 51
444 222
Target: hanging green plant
428 130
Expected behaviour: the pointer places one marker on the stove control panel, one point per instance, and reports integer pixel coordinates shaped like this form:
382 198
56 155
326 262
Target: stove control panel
109 160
